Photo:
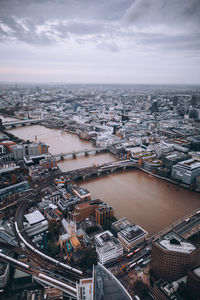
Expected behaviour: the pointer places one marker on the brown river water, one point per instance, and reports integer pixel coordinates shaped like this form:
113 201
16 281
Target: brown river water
150 202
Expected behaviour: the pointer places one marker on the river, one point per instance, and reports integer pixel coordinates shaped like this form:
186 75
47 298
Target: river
150 202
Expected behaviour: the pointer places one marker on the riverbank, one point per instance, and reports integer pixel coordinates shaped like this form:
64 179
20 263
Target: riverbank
183 185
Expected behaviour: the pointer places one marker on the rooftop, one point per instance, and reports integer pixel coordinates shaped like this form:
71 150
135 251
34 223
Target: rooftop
192 163
113 243
103 237
34 217
128 230
174 242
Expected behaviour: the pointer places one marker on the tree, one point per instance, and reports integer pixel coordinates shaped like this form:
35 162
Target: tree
141 288
52 248
90 258
92 229
65 214
54 227
107 224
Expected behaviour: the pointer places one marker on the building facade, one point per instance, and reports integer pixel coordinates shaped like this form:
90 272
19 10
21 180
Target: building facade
103 213
171 257
129 234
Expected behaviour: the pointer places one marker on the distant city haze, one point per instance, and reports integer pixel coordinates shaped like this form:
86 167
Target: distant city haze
107 41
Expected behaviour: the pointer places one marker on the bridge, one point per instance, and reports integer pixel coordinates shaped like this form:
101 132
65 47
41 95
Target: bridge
75 154
98 170
185 226
8 125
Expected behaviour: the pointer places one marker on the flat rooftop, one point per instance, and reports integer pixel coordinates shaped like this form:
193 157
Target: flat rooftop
103 237
81 191
128 230
176 155
192 163
34 217
174 242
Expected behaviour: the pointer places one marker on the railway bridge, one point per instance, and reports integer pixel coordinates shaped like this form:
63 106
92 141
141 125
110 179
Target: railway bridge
18 123
98 170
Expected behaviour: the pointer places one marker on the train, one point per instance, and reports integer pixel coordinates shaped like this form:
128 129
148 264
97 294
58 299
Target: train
129 255
40 275
15 261
56 262
62 284
132 265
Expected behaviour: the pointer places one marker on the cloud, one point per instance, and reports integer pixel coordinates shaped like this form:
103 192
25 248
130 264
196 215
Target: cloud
166 25
164 12
108 25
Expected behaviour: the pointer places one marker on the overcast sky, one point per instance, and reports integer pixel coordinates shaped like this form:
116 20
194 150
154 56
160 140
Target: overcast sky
100 41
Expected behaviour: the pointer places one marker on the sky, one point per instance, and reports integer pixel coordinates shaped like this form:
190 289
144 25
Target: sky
100 41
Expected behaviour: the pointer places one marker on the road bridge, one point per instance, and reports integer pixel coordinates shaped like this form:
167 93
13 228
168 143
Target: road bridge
75 154
98 170
18 123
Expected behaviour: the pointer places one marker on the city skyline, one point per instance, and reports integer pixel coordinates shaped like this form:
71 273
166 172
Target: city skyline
121 41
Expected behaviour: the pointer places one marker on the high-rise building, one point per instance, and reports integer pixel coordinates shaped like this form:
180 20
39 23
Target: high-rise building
1 125
171 257
195 101
186 171
163 290
193 283
103 213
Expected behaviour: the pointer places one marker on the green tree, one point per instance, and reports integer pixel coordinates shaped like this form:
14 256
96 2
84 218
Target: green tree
54 227
107 224
52 248
90 258
92 229
141 288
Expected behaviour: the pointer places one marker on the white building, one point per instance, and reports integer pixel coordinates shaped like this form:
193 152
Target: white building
186 171
129 234
85 289
108 247
36 223
19 151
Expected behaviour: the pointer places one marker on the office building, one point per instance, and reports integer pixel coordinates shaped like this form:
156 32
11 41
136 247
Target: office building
103 213
129 234
172 158
85 289
82 193
186 171
163 290
171 257
102 285
10 191
84 210
19 151
108 247
193 283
